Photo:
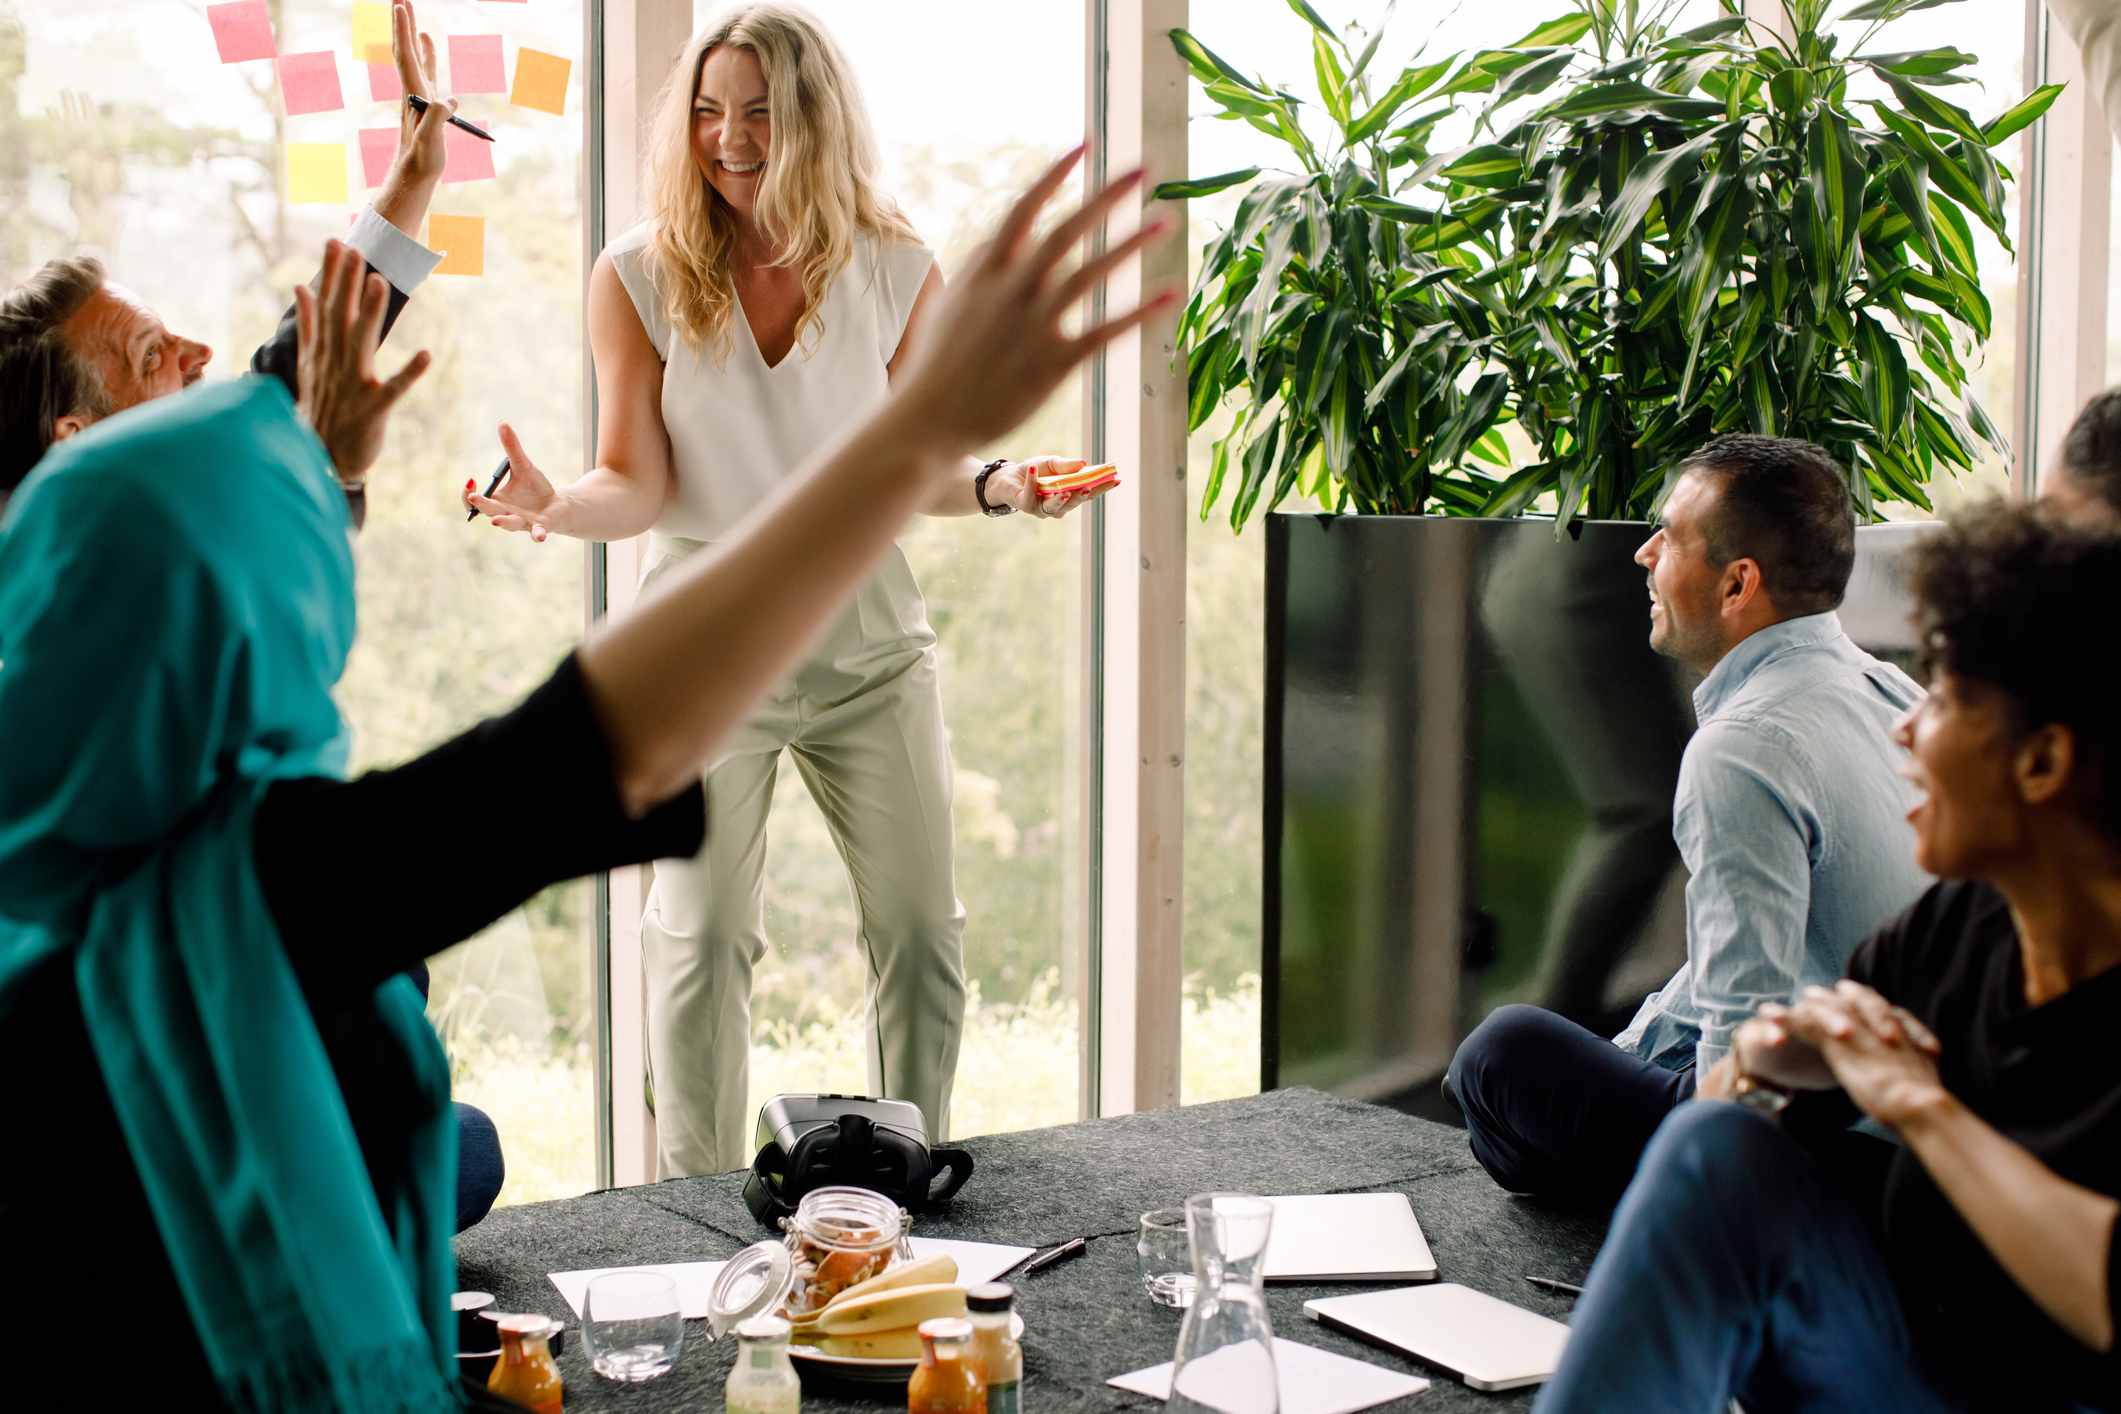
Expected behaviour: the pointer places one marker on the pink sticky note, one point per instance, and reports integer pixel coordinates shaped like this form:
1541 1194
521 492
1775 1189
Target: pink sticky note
242 30
310 83
378 147
470 158
383 85
476 65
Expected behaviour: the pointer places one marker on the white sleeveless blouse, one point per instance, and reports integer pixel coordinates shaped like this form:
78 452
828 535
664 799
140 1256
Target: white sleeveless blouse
739 429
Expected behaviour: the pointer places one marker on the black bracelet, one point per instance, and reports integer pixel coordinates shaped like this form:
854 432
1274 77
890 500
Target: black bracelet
979 489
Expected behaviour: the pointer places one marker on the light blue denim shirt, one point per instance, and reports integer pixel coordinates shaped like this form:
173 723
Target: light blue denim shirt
1791 819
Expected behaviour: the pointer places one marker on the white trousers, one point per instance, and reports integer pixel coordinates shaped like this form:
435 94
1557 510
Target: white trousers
863 720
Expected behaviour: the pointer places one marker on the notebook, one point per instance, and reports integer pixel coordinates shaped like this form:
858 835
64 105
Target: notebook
1489 1344
1347 1237
1310 1380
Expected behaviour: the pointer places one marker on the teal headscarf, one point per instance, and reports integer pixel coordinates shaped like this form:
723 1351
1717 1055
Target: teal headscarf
176 602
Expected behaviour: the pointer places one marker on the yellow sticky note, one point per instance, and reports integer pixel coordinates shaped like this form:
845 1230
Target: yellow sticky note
461 240
316 173
541 81
371 32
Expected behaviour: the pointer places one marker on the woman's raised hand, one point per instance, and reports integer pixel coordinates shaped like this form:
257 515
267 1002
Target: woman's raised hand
995 350
525 500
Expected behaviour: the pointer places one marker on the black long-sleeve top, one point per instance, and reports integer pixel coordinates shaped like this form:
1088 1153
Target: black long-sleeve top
363 878
280 356
2047 1077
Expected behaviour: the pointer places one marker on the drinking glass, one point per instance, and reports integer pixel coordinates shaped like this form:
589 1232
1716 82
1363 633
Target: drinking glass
1225 1359
632 1325
1166 1251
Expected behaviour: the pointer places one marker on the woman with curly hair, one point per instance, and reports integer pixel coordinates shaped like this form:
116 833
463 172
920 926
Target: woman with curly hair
1766 1254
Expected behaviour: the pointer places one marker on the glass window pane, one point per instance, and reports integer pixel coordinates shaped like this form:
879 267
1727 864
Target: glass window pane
968 105
126 137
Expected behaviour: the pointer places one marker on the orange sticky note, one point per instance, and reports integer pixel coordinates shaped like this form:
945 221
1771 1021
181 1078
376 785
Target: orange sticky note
461 240
316 173
371 32
541 81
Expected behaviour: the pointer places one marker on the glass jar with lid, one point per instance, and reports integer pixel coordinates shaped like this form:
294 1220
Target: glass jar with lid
838 1238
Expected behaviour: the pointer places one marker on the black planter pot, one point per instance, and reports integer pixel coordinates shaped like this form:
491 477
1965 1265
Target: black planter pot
1470 759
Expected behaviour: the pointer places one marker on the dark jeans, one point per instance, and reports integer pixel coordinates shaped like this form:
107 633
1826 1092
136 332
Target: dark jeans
1739 1267
480 1170
1554 1110
479 1166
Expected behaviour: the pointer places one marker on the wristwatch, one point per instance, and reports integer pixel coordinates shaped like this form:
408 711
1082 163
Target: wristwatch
1759 1096
979 489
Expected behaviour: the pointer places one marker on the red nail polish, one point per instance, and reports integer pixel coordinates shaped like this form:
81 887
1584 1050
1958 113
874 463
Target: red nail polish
468 485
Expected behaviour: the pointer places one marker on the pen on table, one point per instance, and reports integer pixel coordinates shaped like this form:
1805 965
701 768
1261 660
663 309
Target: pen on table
419 105
1562 1288
500 474
1073 1247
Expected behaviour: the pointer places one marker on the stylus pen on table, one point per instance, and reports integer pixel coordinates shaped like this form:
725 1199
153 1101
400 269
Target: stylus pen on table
419 105
500 474
1562 1288
1059 1252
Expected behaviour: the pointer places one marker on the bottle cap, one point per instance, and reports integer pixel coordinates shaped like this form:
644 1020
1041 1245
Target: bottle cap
763 1328
945 1329
990 1297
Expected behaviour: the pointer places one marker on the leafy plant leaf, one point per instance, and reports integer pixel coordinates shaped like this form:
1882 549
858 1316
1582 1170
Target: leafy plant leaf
2022 114
1207 65
1203 186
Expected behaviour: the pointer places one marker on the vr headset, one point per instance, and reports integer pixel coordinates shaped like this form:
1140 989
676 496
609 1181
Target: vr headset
808 1142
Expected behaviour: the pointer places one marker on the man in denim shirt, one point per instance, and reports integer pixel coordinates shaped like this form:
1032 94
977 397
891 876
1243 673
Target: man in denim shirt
1790 816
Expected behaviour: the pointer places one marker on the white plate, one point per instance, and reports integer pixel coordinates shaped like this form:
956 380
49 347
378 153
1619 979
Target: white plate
853 1367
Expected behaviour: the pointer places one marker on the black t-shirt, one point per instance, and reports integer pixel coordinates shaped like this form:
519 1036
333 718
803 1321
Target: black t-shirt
2047 1077
363 879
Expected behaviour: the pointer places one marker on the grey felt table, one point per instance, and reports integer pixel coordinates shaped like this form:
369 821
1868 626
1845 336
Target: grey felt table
1087 1319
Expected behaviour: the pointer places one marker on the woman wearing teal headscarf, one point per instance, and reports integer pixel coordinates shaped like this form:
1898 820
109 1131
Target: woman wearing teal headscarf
186 995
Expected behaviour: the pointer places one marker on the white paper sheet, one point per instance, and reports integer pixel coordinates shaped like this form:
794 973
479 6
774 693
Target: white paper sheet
976 1262
1310 1380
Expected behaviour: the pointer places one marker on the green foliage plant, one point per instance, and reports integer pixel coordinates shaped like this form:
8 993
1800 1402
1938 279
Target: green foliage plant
1678 234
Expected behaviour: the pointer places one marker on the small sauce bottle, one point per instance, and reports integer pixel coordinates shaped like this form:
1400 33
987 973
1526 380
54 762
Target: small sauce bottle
994 1346
948 1380
763 1380
525 1374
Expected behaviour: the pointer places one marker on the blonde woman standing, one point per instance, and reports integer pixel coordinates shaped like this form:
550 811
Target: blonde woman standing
757 314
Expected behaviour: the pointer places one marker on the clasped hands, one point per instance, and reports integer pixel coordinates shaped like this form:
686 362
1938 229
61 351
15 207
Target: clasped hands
1849 1037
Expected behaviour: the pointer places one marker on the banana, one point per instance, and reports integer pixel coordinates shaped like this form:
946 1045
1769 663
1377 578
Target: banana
890 1309
901 1344
928 1271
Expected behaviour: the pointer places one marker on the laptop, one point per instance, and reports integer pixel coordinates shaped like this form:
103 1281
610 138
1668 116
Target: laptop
1489 1344
1347 1237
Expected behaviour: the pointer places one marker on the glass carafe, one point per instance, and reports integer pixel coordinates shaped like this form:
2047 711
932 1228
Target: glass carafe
1225 1357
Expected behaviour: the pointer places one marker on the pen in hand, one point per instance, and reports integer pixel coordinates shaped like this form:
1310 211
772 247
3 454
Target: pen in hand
419 105
500 474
